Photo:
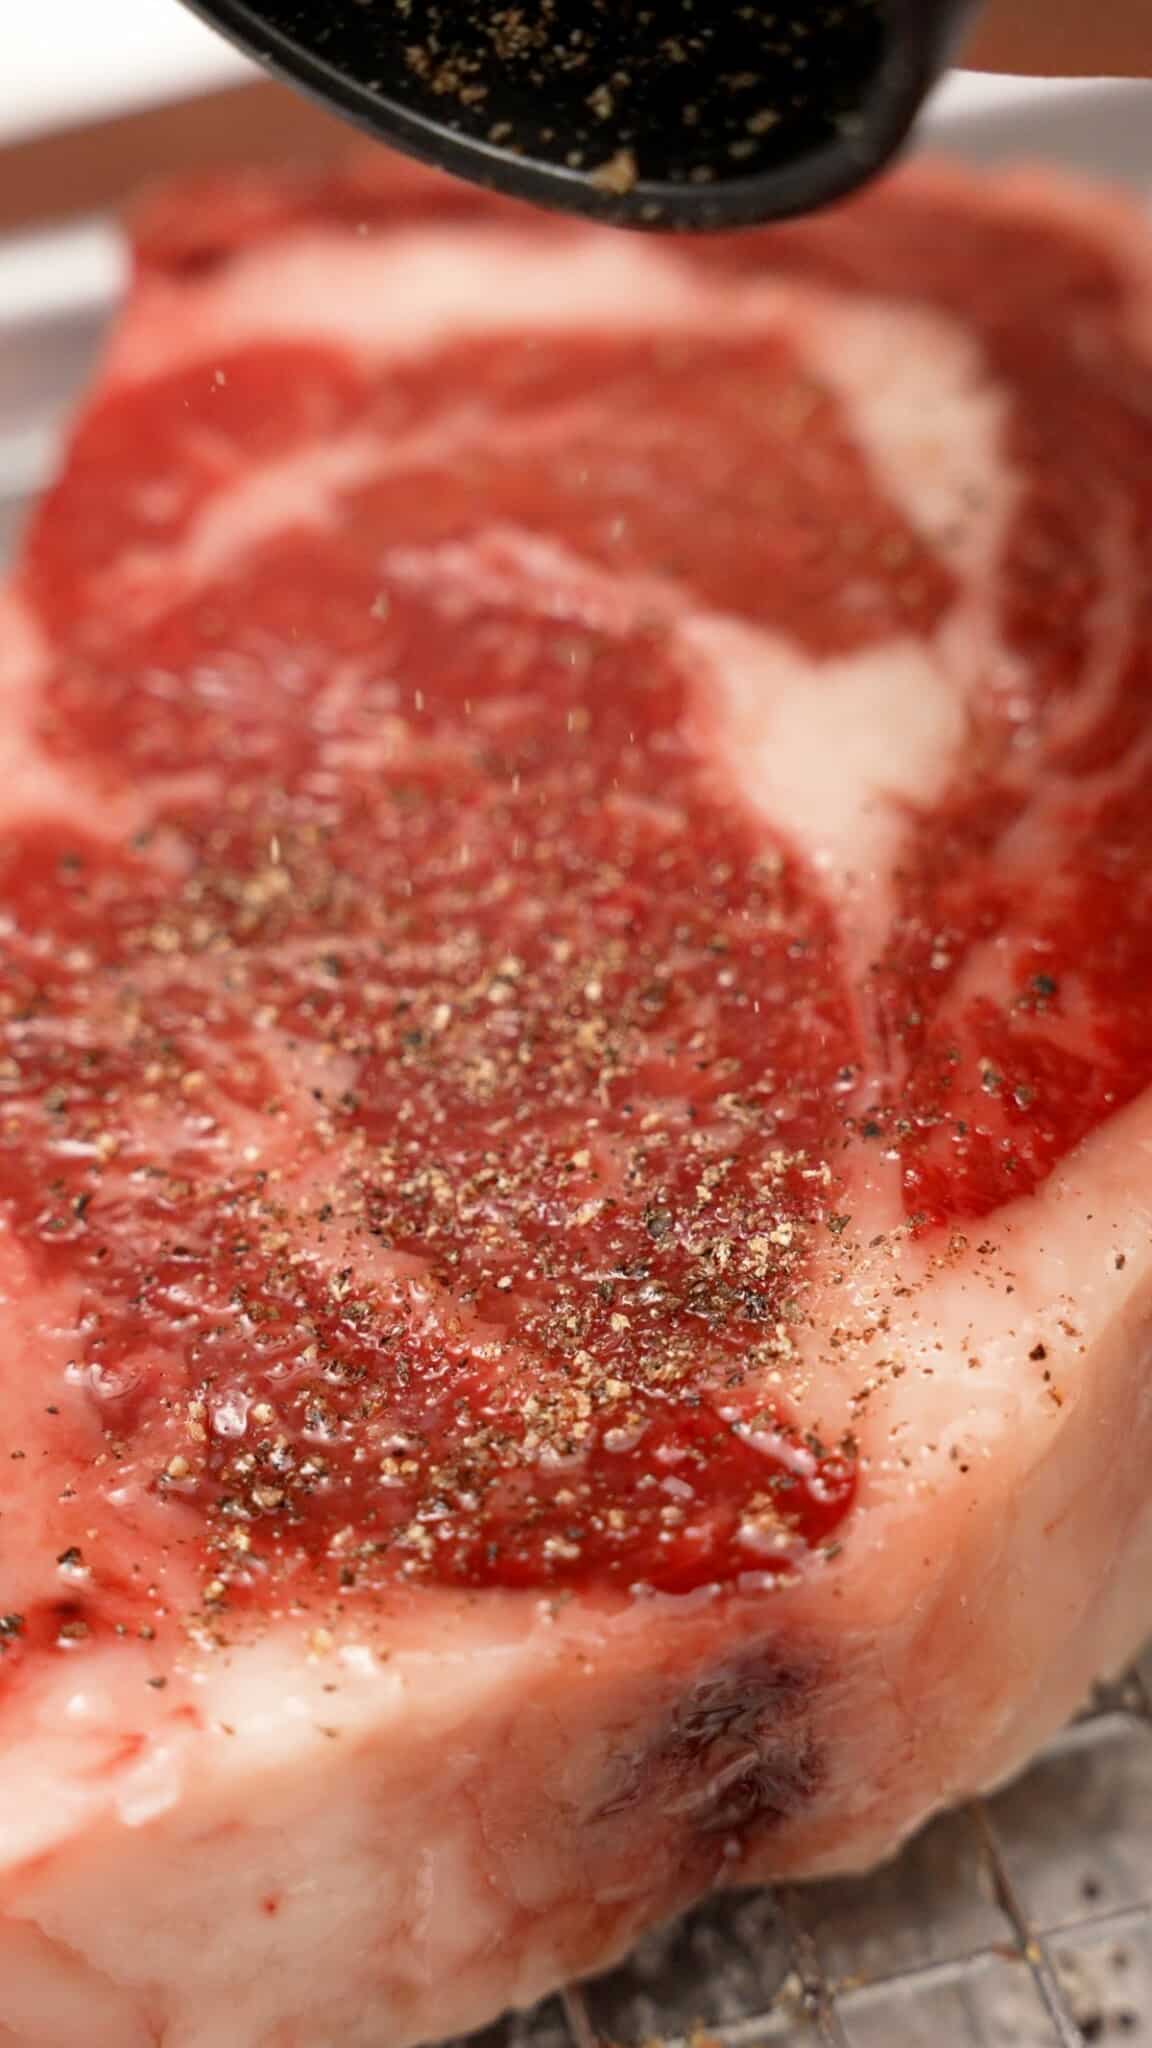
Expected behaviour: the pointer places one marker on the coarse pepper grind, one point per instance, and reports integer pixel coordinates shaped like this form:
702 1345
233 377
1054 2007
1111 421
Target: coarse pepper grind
658 114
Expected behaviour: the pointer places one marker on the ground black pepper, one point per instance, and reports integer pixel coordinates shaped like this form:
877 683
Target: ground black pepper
692 91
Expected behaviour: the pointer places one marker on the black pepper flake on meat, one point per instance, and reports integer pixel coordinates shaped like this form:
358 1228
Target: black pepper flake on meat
521 1206
1044 987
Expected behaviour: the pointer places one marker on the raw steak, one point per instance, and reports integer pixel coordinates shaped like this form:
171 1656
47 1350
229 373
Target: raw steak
576 1146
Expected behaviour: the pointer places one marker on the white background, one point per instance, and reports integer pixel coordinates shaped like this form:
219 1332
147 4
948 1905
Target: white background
63 61
71 60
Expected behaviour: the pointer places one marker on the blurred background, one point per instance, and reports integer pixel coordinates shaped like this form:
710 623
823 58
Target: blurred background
97 96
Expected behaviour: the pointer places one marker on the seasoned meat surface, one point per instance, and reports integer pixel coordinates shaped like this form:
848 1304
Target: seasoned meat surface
574 1082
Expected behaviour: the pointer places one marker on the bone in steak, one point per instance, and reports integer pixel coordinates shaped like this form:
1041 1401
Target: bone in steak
576 874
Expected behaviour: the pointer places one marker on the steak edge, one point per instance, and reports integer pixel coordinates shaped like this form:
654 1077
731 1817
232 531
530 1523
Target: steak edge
574 1084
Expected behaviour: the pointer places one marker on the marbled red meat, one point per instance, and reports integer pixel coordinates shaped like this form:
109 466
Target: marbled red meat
573 1083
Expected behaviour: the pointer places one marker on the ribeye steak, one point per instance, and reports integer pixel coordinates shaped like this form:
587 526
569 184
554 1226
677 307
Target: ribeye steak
575 1109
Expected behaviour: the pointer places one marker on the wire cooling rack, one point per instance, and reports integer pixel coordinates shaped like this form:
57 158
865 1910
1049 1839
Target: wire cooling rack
1023 1921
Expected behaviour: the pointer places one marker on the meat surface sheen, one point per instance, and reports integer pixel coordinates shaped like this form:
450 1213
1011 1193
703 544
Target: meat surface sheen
575 1108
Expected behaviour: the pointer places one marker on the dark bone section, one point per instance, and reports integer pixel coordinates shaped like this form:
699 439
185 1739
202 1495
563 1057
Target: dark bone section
1022 1921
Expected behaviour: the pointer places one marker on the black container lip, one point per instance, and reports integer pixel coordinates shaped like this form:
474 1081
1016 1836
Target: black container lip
921 36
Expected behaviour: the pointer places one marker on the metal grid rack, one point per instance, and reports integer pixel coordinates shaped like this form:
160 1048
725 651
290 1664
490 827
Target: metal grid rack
1023 1921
